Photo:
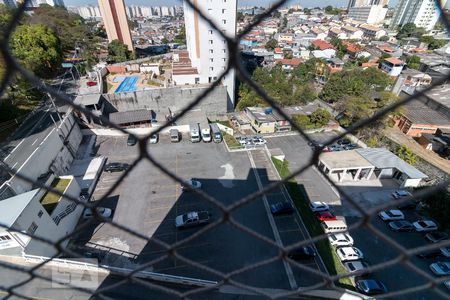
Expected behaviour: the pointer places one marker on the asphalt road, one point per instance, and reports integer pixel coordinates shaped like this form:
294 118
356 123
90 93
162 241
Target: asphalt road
147 201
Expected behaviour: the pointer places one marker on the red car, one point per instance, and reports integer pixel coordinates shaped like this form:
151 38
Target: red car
91 83
325 216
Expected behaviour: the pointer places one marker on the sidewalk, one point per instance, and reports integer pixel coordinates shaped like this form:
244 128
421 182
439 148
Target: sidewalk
400 138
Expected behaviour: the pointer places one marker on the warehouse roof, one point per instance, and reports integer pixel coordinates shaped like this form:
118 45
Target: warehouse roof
132 116
11 208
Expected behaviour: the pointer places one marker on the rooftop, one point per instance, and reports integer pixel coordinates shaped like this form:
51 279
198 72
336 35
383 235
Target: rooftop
89 99
344 160
13 207
419 113
132 116
440 94
322 45
394 61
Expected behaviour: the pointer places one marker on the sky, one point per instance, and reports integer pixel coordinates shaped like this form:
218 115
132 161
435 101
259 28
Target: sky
304 3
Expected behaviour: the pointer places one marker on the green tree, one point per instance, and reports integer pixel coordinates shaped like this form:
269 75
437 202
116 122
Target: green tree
406 154
304 94
320 117
302 121
340 48
372 142
432 43
164 40
240 16
438 206
180 38
331 10
271 44
384 38
118 52
37 48
307 11
413 62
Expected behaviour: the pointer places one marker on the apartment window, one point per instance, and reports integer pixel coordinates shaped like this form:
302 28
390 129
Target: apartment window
224 10
224 50
211 69
211 60
224 1
211 51
40 213
32 228
224 21
210 11
224 59
5 237
210 42
210 31
224 41
223 68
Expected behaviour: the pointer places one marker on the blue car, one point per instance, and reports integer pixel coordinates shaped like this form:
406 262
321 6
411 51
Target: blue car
281 208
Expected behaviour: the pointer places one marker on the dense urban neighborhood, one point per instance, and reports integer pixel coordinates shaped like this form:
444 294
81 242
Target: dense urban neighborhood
178 151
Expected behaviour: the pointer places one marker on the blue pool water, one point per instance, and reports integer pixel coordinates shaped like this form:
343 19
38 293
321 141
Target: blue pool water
127 85
119 78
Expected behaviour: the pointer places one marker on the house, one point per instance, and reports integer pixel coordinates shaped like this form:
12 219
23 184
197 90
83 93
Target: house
415 78
289 64
352 49
371 32
335 32
335 65
438 142
278 54
319 33
264 120
39 213
392 66
352 33
149 67
325 54
321 45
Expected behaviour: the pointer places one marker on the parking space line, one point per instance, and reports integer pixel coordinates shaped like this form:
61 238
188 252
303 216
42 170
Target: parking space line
276 234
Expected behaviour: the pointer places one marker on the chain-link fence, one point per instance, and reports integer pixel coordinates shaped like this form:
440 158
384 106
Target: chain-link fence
131 279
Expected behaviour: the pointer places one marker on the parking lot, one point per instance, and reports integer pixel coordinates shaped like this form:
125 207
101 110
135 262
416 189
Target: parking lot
147 201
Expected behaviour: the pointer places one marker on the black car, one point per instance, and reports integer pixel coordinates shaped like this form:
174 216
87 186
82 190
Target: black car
430 254
401 226
281 208
437 236
371 286
306 252
344 142
116 167
131 141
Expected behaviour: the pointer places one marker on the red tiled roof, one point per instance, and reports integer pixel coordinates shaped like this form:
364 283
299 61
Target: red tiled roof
278 50
352 48
322 45
394 60
291 62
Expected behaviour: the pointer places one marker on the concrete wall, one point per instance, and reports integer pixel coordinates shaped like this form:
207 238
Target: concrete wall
175 99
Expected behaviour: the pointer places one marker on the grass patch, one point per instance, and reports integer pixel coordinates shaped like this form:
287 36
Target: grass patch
224 123
50 199
326 251
231 141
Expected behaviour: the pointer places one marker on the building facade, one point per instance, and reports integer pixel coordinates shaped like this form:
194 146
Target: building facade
371 14
116 22
208 50
423 13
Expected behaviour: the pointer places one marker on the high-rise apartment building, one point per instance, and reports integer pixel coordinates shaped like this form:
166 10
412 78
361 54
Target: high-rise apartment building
116 23
358 3
367 11
89 12
423 13
208 50
36 3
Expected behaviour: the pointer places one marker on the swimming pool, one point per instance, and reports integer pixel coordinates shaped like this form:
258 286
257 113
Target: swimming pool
127 85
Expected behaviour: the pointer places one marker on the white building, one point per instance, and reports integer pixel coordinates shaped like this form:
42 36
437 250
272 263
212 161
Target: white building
371 14
372 32
423 13
89 12
26 216
36 3
208 50
392 66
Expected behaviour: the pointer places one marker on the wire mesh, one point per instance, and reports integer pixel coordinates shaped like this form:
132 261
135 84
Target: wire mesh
172 250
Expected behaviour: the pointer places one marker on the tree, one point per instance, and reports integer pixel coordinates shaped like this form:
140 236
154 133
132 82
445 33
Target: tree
37 48
320 117
413 62
302 121
340 48
438 206
331 10
118 52
410 30
384 38
276 14
432 42
406 154
307 11
180 38
271 44
240 16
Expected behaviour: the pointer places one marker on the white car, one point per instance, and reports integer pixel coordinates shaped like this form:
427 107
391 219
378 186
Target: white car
440 268
318 206
391 215
349 253
154 138
447 284
258 141
340 239
400 194
102 211
355 266
424 226
193 184
446 251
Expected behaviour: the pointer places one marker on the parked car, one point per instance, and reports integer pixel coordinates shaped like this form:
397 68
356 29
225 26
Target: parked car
91 83
101 211
440 268
258 141
447 284
131 140
425 226
116 167
318 206
154 138
437 236
281 208
340 239
400 194
445 252
344 142
350 147
300 253
370 286
335 148
242 140
391 215
356 266
193 184
401 226
193 218
325 216
349 253
430 254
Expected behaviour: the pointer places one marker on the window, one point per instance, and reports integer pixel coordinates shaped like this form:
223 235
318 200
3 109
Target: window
210 31
211 51
224 50
224 59
40 213
224 21
5 237
210 11
223 68
211 60
32 228
211 69
224 10
224 41
210 42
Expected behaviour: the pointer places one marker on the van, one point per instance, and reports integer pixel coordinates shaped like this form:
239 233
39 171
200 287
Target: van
174 135
216 134
334 226
206 134
194 131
